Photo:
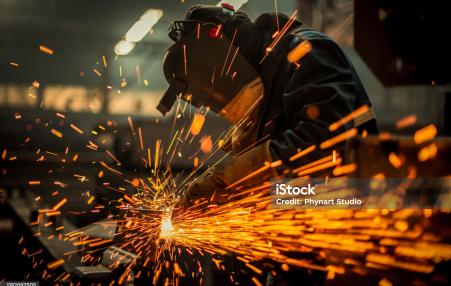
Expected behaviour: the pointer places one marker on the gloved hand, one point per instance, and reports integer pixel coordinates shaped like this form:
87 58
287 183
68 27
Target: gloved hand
203 190
233 174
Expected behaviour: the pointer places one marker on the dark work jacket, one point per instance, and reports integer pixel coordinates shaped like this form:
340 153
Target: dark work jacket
281 124
325 79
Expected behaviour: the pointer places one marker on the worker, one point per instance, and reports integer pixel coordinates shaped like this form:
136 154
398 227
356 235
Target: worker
278 105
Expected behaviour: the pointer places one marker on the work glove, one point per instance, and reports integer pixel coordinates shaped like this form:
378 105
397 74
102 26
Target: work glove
237 174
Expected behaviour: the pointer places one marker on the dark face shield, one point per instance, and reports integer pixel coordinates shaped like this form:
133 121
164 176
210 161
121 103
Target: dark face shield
180 29
203 67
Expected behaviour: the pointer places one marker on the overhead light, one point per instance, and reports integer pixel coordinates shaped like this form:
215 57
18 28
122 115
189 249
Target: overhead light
141 27
123 47
138 31
235 3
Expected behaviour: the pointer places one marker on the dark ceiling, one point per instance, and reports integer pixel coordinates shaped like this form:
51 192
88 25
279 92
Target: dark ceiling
80 32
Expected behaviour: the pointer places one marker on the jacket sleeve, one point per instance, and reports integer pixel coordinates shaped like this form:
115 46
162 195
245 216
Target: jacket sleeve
319 92
251 168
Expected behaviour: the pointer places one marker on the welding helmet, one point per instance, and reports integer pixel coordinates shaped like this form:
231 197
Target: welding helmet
205 66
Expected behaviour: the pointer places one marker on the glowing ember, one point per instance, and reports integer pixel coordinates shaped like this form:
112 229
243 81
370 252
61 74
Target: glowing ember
46 50
196 125
299 51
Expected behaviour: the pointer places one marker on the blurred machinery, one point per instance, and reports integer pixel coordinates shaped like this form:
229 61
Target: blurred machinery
404 43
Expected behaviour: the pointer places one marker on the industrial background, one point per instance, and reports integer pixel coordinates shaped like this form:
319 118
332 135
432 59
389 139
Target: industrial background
69 57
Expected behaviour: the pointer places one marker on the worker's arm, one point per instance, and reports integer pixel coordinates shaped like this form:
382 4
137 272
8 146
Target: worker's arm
212 187
325 81
320 92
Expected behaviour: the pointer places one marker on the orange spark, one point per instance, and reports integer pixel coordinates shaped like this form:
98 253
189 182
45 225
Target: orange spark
129 199
355 114
109 168
256 172
319 167
60 204
35 84
206 144
135 182
228 52
425 134
84 242
280 35
285 267
299 51
97 72
99 243
52 213
303 153
157 153
395 160
76 128
255 269
345 169
256 282
113 157
339 138
140 138
406 121
196 162
427 152
197 123
130 123
56 133
55 264
184 59
149 159
233 59
315 163
46 50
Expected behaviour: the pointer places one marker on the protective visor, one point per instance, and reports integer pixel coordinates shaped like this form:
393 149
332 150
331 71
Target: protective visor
203 67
